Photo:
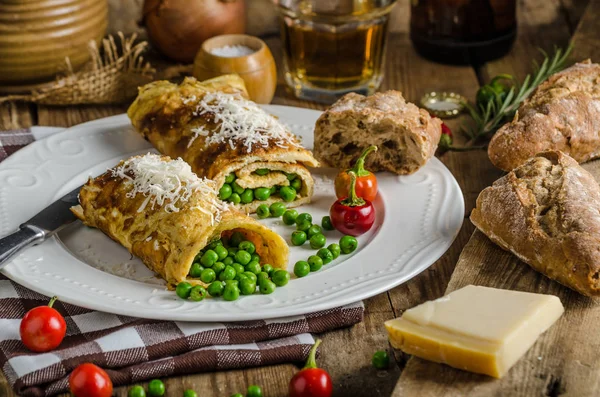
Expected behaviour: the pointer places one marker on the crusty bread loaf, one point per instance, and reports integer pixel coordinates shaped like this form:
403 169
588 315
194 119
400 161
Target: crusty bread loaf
547 212
405 135
562 114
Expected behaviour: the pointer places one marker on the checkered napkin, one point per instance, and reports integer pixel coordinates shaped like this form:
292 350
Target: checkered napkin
132 349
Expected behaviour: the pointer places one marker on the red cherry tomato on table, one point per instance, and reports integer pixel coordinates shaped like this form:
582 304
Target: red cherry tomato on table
43 328
89 380
311 381
366 182
352 215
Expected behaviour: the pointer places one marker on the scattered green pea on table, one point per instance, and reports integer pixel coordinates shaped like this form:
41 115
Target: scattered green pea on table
380 360
262 211
136 391
277 209
289 217
156 388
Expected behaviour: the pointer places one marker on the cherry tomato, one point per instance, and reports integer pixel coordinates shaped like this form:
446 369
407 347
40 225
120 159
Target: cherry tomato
89 380
311 381
352 215
43 328
366 182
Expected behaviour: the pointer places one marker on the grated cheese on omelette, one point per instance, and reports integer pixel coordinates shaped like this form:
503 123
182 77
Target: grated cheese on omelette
240 120
166 183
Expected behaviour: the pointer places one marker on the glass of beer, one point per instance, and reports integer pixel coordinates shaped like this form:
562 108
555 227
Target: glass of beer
332 47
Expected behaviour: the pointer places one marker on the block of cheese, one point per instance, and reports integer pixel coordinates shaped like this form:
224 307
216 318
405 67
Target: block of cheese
478 329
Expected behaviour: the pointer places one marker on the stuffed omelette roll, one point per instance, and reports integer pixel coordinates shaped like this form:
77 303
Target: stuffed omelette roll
253 158
166 215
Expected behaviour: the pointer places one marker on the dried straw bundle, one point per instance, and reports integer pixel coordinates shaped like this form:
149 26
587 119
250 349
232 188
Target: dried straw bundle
109 78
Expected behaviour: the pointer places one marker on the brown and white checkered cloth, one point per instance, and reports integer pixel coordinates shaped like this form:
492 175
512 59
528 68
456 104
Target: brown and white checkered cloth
132 349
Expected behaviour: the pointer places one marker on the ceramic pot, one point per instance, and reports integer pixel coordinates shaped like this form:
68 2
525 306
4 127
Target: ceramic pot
37 35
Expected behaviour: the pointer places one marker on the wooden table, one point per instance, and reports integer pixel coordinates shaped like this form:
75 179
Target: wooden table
346 353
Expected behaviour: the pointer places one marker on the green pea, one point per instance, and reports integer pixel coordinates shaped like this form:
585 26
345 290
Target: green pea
273 190
233 282
237 188
326 255
228 273
317 241
242 257
334 249
326 223
267 287
214 244
280 277
238 268
296 184
253 267
303 226
208 276
251 275
221 252
247 286
196 270
225 192
263 211
227 261
236 238
268 269
183 290
230 178
315 263
262 171
261 276
248 196
301 268
348 244
289 217
290 176
220 266
255 258
231 292
198 256
231 251
215 289
298 238
197 293
287 193
156 388
277 209
262 193
136 391
248 246
189 393
380 359
237 395
239 277
209 258
235 198
314 229
253 391
303 217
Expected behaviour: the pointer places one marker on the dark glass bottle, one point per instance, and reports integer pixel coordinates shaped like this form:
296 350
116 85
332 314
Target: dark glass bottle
463 31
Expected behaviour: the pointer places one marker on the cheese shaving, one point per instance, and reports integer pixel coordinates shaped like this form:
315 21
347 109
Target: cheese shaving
167 184
240 121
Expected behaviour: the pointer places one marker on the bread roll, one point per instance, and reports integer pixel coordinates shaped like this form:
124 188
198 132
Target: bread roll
562 114
405 135
547 213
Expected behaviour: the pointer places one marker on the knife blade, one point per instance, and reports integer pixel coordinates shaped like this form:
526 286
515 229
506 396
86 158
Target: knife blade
43 225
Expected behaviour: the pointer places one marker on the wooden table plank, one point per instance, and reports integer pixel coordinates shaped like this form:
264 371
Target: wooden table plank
563 361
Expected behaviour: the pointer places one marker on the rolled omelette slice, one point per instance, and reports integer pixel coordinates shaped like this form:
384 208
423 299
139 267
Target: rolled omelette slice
227 138
165 214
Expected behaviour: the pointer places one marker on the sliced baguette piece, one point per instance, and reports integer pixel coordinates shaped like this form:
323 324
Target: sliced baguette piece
563 113
547 213
405 135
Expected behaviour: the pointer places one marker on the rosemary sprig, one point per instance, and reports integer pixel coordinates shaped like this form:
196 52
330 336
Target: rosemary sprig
488 117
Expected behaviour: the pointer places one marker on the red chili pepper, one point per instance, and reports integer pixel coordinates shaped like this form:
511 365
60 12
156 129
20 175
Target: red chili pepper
366 182
311 381
43 328
352 215
446 130
89 380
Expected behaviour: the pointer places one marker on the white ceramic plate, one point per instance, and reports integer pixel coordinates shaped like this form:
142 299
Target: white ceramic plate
418 217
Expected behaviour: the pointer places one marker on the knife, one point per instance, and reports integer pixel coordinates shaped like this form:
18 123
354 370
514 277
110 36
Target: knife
43 225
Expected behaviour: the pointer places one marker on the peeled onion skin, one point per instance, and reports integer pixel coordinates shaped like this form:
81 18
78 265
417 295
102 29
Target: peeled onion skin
177 28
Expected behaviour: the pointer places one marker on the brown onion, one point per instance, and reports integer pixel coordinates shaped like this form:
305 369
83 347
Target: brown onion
179 27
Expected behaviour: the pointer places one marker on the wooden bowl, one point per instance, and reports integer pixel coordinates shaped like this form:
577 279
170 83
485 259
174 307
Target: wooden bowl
37 35
257 69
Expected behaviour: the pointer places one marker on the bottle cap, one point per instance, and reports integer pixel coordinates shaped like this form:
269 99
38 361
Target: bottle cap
443 104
